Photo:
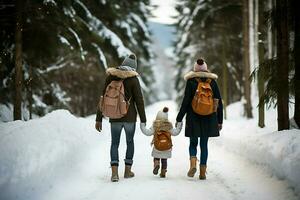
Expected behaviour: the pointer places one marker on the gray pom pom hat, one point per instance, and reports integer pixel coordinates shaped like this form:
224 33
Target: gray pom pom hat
129 63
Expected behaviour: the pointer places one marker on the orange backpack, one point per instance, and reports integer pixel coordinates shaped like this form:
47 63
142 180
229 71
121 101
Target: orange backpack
162 140
113 104
203 102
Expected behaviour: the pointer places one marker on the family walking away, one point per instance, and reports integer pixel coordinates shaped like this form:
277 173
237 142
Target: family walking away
122 99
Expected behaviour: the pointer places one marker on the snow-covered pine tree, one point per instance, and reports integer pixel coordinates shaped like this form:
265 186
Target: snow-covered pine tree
204 29
67 45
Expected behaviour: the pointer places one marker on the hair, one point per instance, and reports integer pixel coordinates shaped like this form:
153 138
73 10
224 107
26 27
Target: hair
132 56
200 61
166 109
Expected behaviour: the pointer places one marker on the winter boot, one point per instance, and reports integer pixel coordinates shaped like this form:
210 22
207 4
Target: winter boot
128 173
193 169
202 175
163 173
114 174
156 167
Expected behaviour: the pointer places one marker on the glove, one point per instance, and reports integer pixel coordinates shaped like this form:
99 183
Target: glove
98 126
178 123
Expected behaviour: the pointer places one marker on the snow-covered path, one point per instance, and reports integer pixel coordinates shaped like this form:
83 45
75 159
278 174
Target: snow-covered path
62 157
230 176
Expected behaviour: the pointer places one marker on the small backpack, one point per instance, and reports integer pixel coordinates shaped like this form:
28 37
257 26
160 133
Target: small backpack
162 140
113 104
203 102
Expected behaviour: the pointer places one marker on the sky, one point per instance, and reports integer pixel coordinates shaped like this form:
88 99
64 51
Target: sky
163 14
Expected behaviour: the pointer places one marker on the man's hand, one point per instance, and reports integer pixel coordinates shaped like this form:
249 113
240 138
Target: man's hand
98 126
220 126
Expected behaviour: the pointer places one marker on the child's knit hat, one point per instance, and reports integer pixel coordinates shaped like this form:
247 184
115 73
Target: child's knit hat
162 115
200 66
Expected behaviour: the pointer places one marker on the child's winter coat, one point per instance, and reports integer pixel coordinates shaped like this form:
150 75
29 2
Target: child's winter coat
161 124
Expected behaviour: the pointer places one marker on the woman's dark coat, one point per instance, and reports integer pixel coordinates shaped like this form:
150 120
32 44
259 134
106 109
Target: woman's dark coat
133 92
197 125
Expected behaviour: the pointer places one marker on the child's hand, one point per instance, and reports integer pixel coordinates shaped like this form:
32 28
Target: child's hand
178 125
144 130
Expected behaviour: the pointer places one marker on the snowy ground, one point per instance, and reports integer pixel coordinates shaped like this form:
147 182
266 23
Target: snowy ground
62 157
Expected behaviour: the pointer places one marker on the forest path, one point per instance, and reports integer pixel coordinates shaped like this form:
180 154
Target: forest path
229 176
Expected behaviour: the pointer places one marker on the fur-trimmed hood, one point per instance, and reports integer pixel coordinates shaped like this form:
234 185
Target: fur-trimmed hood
162 125
121 73
193 74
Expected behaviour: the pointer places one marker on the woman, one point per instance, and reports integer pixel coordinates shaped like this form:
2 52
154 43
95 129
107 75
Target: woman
127 73
200 126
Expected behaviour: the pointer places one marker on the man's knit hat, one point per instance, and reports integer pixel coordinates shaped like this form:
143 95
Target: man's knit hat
200 65
130 62
162 115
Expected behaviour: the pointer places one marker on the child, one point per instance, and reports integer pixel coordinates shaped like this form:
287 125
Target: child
162 130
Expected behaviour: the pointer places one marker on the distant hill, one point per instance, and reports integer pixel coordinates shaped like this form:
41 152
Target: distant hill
162 33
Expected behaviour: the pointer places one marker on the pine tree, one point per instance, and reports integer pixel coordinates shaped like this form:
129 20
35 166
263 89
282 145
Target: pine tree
246 60
18 62
64 40
260 79
297 63
203 29
282 64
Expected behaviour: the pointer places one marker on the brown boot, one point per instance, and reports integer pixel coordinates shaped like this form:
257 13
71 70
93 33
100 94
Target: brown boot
114 174
193 164
163 173
202 175
156 167
128 173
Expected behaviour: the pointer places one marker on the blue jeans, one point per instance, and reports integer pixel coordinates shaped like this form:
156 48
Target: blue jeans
203 148
116 129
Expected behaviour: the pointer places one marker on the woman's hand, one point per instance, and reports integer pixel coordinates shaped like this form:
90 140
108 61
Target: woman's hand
220 126
98 126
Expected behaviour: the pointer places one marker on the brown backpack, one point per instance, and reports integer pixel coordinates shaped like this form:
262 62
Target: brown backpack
162 140
113 104
203 102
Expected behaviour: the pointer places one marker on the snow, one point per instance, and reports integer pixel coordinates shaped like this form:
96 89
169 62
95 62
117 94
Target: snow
96 25
6 113
165 11
50 2
101 55
60 156
141 24
65 41
78 42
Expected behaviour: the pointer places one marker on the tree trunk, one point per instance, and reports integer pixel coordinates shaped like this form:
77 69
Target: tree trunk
18 63
297 64
247 87
270 34
260 80
282 65
30 98
225 77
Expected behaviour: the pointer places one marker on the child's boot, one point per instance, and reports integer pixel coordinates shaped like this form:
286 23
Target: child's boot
128 173
193 164
202 175
156 167
114 174
163 173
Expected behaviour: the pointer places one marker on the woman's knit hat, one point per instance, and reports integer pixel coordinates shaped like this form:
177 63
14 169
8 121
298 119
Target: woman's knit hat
129 63
162 115
200 65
